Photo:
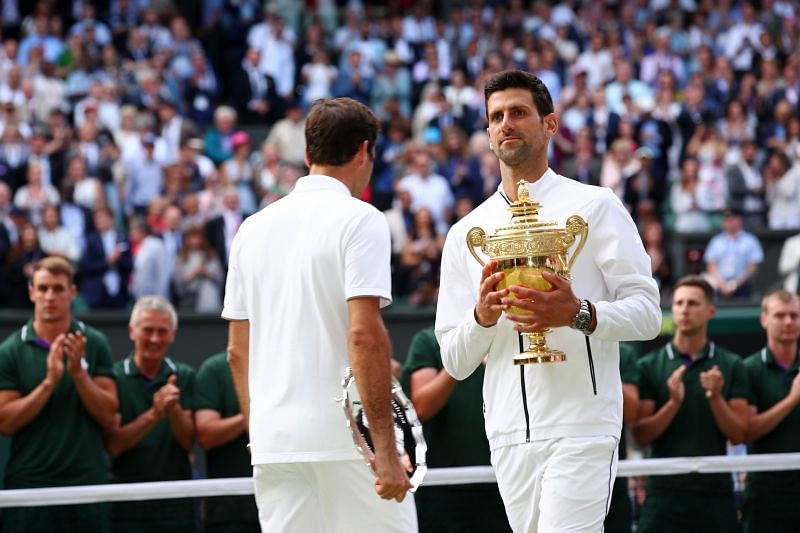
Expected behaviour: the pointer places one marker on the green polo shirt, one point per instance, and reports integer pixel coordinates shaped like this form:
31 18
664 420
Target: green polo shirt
214 390
629 373
158 456
769 384
693 431
63 445
456 435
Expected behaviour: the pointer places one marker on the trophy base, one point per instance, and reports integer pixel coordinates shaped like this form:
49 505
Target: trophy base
545 356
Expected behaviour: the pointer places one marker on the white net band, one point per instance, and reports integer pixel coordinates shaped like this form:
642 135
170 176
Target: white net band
436 476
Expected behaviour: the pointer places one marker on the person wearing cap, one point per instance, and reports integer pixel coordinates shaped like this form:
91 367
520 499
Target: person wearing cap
770 498
692 400
57 392
151 436
732 258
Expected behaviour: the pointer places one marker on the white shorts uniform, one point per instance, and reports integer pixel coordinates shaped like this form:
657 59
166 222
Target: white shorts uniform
557 485
327 497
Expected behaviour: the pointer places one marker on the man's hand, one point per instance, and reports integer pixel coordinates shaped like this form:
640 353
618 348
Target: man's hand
675 386
74 349
55 361
392 479
712 381
167 397
489 306
543 309
794 391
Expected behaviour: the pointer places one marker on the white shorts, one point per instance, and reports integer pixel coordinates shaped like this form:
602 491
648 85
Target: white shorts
330 497
558 484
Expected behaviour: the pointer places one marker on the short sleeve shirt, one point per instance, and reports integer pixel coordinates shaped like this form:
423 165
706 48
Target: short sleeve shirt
158 456
63 445
733 255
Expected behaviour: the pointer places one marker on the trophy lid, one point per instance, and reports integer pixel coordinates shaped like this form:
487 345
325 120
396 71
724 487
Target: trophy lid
525 215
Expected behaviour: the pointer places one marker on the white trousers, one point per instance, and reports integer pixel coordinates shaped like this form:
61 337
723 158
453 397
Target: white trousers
327 497
557 485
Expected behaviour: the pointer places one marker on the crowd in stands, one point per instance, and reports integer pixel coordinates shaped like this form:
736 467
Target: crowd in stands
128 125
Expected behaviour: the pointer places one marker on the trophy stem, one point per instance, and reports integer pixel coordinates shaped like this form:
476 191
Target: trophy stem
538 352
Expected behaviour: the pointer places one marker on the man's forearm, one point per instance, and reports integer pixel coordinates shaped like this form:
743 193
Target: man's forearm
182 424
730 423
121 439
101 403
238 360
763 423
220 431
20 412
650 428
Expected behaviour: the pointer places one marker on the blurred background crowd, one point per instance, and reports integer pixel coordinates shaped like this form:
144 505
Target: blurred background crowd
137 134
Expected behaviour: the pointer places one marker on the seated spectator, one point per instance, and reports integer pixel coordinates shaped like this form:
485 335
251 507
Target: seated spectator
732 258
54 238
422 255
217 140
198 275
106 264
238 172
782 183
34 196
19 266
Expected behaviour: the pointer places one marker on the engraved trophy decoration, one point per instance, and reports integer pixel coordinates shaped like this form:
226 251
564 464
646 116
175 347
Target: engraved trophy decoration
523 249
409 440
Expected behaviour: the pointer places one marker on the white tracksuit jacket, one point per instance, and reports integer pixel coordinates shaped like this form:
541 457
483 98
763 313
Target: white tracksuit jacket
612 271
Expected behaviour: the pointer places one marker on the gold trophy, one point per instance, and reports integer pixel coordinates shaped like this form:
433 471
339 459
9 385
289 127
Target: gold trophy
523 250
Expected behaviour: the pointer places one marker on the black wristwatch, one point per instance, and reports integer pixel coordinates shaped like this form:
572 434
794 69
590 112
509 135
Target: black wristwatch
582 320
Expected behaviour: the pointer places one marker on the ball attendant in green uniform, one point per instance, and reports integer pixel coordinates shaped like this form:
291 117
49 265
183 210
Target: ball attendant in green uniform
222 433
56 393
453 424
693 398
618 519
771 498
154 431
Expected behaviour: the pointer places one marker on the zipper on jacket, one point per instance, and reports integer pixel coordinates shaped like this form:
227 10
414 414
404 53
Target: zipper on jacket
591 364
524 394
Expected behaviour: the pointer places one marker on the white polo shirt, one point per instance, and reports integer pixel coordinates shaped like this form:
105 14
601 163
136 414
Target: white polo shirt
293 266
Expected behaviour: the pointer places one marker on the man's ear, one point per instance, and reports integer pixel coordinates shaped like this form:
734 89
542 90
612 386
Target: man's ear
550 125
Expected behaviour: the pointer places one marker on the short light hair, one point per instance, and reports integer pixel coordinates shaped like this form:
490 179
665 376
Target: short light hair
225 110
778 294
56 265
153 303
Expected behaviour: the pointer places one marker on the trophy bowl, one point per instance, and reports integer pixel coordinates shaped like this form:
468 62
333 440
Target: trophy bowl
524 249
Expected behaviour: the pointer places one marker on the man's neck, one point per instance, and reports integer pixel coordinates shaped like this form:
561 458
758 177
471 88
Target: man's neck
512 177
784 353
341 173
691 344
149 367
48 331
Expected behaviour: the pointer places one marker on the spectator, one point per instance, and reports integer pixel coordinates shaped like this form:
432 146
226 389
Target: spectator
782 184
660 60
393 83
56 393
55 239
693 398
421 255
684 201
150 275
198 275
288 136
277 57
583 165
429 190
151 436
625 84
221 229
106 264
732 258
238 172
746 187
789 264
217 140
33 197
452 415
88 191
14 153
222 433
774 393
255 93
144 178
353 81
20 264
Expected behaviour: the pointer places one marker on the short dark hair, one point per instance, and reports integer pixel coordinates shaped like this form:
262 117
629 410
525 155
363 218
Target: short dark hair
696 280
518 79
335 128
